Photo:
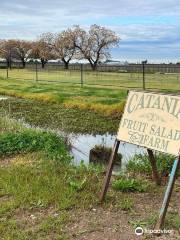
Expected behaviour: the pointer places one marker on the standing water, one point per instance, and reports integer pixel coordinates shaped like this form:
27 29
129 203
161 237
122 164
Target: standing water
82 144
3 98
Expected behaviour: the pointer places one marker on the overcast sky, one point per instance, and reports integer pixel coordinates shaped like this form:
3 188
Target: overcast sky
149 29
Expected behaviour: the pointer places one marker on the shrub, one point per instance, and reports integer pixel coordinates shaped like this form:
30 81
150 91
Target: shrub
130 185
29 141
141 164
101 154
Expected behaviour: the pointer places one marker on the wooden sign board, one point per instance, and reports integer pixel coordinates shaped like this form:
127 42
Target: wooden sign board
152 120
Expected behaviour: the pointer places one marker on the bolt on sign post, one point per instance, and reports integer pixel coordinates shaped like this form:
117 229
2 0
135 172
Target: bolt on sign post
150 120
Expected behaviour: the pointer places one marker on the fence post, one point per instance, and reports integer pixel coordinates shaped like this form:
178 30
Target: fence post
36 72
7 72
143 69
82 75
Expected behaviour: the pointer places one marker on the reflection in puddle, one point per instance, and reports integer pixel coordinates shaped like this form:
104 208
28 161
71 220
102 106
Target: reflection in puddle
82 144
3 98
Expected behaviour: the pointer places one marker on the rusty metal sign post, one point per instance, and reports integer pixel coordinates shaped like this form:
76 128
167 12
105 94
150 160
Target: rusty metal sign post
167 195
150 120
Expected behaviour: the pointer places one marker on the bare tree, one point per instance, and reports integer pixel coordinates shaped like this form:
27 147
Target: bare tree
42 48
64 47
7 51
22 50
94 44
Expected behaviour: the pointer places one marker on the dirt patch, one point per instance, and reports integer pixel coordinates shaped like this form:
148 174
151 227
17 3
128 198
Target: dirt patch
102 224
5 198
23 159
112 223
5 161
29 220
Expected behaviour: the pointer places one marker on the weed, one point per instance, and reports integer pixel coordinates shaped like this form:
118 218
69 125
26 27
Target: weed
126 204
130 185
78 185
58 117
173 221
29 141
140 164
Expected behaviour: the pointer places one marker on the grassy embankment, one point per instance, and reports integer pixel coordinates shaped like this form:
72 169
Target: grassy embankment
42 196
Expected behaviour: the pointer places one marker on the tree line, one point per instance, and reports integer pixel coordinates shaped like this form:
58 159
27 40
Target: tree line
74 43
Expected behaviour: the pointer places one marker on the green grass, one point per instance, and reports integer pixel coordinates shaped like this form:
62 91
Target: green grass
31 141
130 185
32 185
172 222
56 116
141 164
103 92
126 80
40 191
126 203
45 229
53 81
103 100
39 178
59 92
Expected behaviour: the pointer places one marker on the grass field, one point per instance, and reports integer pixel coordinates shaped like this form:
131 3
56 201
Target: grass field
103 92
104 100
168 81
44 197
56 116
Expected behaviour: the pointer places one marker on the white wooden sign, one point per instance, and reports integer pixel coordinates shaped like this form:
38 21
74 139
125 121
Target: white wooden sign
152 120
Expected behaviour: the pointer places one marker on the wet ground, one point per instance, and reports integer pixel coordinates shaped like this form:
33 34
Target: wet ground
81 143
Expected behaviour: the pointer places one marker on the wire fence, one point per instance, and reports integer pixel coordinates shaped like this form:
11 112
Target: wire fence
143 76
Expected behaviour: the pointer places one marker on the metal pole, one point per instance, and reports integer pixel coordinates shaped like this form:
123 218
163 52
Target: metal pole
81 75
7 71
109 170
154 167
36 72
143 64
167 195
10 62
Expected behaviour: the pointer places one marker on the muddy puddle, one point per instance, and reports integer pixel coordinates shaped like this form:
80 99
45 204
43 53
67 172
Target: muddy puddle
82 144
3 98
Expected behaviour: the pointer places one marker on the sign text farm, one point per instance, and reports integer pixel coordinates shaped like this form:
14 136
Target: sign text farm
152 120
